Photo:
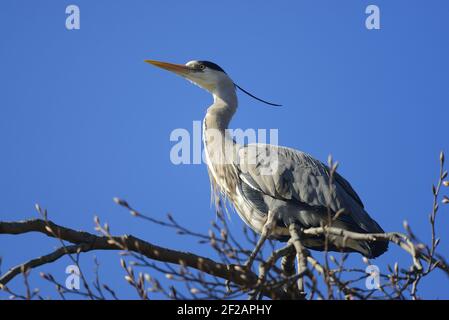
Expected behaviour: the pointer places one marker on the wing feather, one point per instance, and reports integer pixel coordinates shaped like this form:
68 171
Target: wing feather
292 175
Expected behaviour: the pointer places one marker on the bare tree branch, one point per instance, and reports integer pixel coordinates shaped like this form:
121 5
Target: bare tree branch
84 242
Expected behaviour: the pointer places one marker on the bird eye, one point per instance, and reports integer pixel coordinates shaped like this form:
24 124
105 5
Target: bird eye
202 66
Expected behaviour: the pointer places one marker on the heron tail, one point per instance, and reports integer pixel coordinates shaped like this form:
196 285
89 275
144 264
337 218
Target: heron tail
370 249
373 249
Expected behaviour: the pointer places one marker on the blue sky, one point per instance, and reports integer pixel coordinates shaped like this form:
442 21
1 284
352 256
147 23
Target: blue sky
84 120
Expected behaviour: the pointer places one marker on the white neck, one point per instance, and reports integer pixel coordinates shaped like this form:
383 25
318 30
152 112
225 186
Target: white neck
220 113
220 148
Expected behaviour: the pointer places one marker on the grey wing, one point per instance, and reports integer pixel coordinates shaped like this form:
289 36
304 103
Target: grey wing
290 175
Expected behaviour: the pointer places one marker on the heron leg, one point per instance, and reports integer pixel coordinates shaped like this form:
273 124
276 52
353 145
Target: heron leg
266 231
301 254
288 264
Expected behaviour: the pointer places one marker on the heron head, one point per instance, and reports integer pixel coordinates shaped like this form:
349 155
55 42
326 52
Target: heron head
205 74
208 76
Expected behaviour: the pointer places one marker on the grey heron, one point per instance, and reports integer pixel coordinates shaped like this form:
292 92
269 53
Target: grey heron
297 190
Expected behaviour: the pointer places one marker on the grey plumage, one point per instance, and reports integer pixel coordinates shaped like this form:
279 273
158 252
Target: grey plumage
298 187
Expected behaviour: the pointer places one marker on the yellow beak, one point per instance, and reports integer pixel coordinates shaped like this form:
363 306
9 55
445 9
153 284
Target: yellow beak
177 68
